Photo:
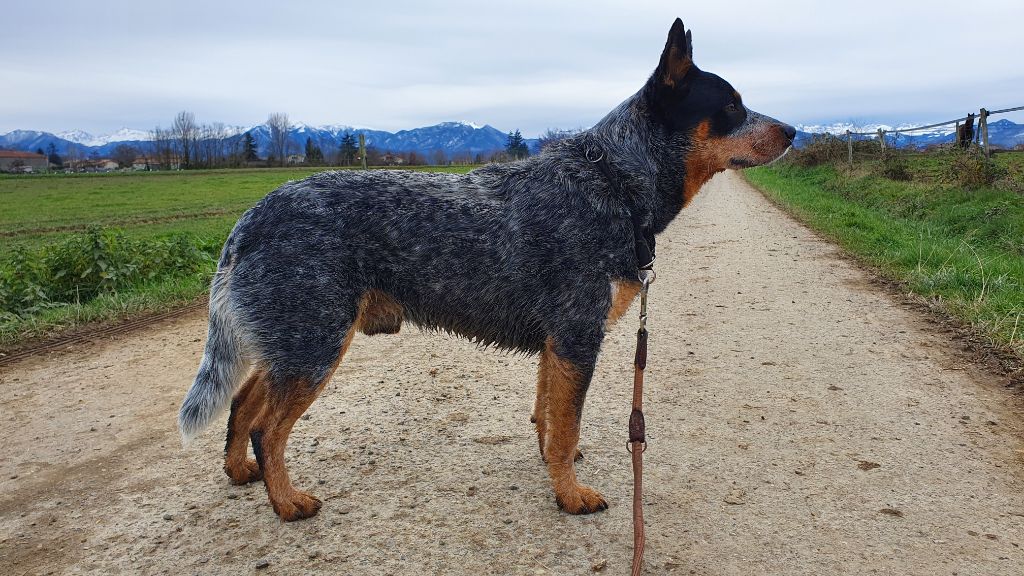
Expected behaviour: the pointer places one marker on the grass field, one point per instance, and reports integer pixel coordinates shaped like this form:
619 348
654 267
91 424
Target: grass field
39 208
78 249
962 249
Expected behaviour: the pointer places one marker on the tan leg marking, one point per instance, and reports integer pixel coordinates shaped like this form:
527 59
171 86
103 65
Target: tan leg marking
563 436
245 408
271 432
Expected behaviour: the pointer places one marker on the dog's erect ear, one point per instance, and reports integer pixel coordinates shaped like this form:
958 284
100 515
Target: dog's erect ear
677 59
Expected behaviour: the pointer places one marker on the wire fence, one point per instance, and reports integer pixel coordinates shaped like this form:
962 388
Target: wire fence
965 135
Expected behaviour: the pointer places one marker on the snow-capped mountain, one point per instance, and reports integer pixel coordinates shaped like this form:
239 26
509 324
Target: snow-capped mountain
1001 133
122 135
450 137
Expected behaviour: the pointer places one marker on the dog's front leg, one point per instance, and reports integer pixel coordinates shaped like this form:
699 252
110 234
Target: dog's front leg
567 383
540 406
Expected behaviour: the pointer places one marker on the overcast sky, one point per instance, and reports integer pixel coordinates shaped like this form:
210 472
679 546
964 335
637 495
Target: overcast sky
100 66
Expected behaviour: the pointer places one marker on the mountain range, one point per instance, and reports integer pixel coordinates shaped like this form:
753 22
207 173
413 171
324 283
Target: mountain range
1001 133
451 137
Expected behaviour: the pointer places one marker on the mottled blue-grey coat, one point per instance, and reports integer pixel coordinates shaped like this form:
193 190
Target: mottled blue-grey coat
517 255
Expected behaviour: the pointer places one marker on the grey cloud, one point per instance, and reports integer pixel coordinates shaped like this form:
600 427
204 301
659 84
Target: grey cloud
528 65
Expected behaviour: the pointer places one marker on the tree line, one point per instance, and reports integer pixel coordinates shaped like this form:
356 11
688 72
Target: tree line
188 144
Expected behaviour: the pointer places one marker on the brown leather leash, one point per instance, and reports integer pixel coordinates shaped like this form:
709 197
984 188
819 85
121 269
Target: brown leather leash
637 430
643 246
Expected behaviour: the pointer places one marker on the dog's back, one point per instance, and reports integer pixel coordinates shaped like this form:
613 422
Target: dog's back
486 255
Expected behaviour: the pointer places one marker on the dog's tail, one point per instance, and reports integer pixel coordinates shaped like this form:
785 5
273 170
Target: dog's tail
223 366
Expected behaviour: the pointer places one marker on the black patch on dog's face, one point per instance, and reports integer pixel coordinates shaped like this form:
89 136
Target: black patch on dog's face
702 97
681 95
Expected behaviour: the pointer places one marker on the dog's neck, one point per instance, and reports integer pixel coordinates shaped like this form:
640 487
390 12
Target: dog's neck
650 157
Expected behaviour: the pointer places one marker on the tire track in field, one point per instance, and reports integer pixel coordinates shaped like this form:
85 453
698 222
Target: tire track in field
140 221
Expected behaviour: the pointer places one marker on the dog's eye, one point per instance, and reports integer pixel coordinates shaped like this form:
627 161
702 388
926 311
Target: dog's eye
732 108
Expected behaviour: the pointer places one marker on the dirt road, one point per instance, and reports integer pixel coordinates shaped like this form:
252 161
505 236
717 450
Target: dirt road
800 422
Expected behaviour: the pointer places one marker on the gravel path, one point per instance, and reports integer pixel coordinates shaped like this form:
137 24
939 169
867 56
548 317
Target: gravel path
800 422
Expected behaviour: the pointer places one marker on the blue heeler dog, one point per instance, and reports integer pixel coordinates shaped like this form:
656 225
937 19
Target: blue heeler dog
538 256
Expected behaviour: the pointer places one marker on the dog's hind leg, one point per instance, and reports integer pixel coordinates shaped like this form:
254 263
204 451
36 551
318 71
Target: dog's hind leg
284 404
567 388
245 408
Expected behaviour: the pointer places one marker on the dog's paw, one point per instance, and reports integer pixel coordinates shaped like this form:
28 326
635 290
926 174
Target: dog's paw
581 500
248 471
297 506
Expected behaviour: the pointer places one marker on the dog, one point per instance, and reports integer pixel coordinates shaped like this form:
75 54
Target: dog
539 256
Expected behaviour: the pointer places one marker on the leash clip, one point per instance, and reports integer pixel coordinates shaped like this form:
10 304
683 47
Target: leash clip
647 275
647 278
587 154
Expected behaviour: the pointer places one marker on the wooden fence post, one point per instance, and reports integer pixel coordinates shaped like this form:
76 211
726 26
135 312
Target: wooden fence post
849 148
362 148
881 138
983 128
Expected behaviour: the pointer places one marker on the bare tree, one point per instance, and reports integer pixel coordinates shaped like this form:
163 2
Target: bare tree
163 148
73 157
552 135
438 157
462 157
124 155
220 146
374 156
211 146
278 124
185 133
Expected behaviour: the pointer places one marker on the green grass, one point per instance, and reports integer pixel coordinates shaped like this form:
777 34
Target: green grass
41 208
43 215
963 250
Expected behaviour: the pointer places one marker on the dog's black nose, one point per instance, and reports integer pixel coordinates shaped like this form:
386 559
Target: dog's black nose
789 131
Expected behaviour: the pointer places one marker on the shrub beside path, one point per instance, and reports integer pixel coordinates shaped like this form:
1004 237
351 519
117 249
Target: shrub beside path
800 420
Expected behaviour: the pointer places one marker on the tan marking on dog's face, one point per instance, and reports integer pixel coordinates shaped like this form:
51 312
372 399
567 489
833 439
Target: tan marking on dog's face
708 155
699 168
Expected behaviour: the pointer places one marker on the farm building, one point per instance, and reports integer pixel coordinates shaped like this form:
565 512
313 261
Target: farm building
154 163
17 161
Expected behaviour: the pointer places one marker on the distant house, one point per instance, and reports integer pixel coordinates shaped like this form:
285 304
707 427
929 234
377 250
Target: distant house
296 158
390 159
100 165
154 163
17 161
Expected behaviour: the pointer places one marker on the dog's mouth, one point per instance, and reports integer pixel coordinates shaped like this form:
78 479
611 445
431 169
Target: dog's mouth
740 162
780 156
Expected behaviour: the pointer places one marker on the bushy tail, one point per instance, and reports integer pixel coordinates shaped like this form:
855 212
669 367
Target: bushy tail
222 369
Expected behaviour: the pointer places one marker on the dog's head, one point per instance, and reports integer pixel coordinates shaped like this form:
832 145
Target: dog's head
707 115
